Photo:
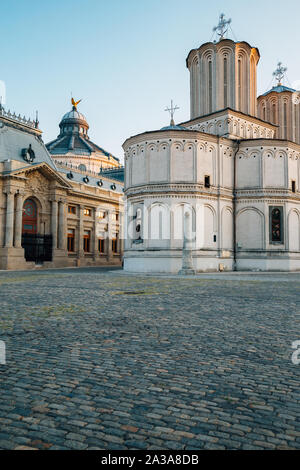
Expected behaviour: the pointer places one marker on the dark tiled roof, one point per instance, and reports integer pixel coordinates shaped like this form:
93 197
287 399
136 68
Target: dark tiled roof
114 173
79 177
77 144
279 89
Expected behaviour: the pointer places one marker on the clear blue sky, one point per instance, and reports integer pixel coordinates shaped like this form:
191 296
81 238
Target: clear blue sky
126 58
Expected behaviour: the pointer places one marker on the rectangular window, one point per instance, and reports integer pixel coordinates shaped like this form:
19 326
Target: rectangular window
114 217
207 181
114 244
72 210
87 212
71 240
293 186
87 241
101 214
276 225
101 245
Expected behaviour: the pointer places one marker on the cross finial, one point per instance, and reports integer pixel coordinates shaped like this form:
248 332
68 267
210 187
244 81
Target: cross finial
222 27
172 111
279 73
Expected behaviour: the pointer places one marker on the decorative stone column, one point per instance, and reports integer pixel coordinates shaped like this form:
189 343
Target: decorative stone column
109 236
121 233
80 233
9 224
54 223
61 226
18 220
95 236
187 259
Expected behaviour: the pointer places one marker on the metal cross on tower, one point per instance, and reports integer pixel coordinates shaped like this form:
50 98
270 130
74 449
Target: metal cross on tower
222 27
172 111
279 73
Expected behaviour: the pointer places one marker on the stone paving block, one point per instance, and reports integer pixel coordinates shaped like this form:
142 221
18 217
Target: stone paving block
197 365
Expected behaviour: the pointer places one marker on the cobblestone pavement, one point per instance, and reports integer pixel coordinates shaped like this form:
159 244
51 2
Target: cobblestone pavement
99 360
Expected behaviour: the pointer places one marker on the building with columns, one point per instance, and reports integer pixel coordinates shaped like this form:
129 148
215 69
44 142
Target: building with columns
51 214
233 167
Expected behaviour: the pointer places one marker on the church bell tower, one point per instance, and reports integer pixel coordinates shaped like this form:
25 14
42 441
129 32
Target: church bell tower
223 75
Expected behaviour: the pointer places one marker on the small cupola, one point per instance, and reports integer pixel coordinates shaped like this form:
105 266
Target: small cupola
74 122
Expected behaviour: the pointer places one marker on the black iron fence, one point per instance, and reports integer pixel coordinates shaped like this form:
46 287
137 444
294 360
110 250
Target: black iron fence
38 248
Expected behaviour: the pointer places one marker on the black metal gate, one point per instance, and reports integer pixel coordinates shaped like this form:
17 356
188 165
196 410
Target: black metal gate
38 248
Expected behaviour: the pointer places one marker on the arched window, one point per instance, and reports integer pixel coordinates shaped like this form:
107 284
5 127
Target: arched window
240 83
285 120
276 225
82 168
29 219
274 117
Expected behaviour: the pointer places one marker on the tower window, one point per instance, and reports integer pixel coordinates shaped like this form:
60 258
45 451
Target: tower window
293 186
225 82
240 83
285 120
207 182
274 117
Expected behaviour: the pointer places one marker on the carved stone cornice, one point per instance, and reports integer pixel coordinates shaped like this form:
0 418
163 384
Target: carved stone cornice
264 200
175 196
167 135
174 189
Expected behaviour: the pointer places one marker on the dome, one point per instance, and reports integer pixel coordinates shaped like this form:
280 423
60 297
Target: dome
74 122
174 128
74 146
279 89
73 115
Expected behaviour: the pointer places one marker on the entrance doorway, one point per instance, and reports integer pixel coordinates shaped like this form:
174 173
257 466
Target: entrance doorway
38 248
29 219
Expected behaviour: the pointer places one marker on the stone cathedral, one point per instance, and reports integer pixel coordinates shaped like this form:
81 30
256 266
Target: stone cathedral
234 167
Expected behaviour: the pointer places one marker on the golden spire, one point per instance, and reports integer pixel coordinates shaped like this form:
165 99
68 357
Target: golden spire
75 103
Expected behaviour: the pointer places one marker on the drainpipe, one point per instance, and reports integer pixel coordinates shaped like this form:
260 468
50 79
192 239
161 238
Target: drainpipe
235 204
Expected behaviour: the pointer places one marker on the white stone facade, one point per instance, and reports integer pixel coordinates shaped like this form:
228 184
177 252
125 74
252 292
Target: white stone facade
223 75
233 125
283 110
226 169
